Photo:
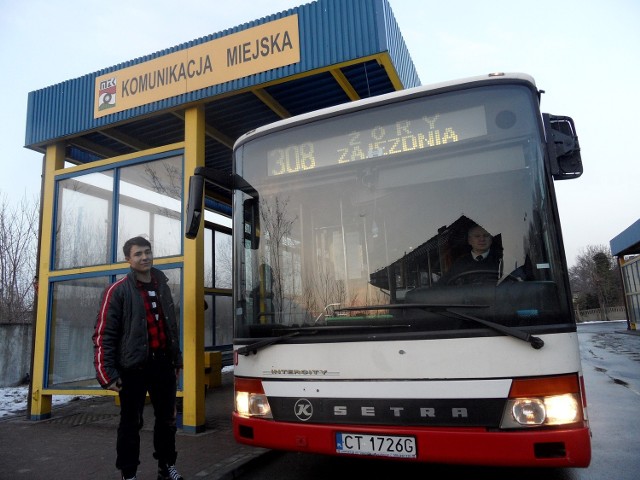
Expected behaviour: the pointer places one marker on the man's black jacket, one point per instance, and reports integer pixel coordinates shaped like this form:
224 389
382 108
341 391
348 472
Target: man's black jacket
120 338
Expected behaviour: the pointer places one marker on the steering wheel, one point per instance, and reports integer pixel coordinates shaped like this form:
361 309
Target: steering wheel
484 276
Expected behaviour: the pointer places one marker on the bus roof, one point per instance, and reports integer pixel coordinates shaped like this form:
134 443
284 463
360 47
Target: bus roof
491 78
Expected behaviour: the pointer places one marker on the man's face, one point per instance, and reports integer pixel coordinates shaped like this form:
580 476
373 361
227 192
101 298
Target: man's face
479 239
140 258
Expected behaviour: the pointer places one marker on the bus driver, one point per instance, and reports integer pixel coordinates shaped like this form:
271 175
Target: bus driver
478 264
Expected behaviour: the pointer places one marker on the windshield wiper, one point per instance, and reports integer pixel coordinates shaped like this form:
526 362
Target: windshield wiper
536 342
294 331
254 347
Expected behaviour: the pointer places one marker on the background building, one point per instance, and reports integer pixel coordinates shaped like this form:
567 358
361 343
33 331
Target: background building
626 246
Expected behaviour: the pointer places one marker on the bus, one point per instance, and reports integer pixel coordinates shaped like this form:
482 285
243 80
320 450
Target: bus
350 335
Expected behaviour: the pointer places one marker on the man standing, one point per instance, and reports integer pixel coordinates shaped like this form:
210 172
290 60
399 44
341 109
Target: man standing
137 350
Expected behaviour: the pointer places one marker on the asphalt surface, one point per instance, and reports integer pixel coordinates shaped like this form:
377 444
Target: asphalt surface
79 441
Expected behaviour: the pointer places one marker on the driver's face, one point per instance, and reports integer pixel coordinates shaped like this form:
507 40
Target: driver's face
479 239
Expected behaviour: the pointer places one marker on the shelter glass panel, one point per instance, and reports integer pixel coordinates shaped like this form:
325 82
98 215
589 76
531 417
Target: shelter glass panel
83 220
631 276
150 205
222 260
208 321
224 321
218 322
73 316
217 275
208 258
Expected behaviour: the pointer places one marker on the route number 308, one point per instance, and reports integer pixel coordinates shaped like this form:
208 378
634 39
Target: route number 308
292 159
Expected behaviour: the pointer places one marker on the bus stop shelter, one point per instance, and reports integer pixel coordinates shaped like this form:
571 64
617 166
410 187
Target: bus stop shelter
119 145
626 247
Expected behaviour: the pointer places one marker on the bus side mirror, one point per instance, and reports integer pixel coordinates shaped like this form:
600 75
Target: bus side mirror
194 206
563 148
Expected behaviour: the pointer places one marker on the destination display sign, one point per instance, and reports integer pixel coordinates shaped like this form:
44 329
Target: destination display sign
393 136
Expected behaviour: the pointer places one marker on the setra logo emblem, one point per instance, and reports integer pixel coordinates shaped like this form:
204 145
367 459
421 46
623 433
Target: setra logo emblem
303 409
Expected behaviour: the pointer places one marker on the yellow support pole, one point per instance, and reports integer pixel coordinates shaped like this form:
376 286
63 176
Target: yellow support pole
193 413
41 404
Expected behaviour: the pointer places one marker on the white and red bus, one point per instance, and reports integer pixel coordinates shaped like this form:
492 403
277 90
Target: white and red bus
349 336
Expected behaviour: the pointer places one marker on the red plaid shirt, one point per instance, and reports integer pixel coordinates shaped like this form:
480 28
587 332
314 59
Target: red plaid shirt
155 319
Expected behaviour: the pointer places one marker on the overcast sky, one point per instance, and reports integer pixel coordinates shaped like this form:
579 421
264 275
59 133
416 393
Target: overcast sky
585 54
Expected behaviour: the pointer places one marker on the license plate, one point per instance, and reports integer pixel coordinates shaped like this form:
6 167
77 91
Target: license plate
377 445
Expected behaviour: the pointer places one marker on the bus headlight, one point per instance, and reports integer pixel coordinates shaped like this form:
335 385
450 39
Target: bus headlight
555 410
562 409
528 411
250 399
541 402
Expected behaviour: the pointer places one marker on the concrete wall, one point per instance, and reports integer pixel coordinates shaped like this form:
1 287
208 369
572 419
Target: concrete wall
15 352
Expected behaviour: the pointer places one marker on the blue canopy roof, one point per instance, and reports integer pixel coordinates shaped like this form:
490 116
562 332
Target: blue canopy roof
627 242
348 50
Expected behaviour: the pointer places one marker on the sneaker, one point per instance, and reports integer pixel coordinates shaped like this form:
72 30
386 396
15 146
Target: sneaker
130 478
169 472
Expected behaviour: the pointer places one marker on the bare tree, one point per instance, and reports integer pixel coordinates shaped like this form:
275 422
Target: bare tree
277 228
323 289
595 279
18 257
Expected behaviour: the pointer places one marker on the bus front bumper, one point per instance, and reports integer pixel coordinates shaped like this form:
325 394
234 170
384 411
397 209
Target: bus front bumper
554 448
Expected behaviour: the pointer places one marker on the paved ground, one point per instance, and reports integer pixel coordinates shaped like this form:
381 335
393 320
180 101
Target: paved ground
78 442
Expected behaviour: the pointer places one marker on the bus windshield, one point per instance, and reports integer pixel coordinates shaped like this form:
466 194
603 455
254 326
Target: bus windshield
367 220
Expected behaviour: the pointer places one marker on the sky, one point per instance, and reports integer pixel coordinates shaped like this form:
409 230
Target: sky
583 53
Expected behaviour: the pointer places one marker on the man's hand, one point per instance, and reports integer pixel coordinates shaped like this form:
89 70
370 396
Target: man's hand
116 385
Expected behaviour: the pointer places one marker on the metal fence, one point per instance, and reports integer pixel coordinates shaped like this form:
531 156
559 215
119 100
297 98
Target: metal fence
604 314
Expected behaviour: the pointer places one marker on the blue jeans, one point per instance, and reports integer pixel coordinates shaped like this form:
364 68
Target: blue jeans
158 378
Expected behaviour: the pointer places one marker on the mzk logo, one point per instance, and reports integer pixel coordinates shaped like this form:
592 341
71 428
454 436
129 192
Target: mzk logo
107 94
